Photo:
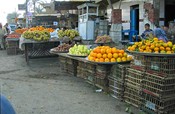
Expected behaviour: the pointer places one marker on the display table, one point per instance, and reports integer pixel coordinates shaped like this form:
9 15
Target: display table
35 49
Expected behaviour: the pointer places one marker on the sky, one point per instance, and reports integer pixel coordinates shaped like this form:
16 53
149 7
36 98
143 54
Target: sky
9 6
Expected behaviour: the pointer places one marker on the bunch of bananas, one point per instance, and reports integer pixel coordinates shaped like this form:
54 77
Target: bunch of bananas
37 35
69 33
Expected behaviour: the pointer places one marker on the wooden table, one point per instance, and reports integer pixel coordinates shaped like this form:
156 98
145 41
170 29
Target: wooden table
34 49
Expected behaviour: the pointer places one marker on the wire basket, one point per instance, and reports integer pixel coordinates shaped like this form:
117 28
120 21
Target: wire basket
154 105
159 86
162 66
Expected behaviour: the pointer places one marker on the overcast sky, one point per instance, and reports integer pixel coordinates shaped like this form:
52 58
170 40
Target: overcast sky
8 6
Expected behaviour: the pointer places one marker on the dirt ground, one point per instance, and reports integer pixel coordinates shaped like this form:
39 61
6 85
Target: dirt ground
42 88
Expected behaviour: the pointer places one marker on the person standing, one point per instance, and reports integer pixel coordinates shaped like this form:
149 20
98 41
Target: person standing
7 28
3 32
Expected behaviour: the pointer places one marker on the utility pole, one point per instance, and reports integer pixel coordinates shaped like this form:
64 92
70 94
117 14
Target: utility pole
26 13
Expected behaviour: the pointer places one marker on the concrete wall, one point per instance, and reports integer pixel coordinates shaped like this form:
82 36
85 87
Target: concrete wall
125 6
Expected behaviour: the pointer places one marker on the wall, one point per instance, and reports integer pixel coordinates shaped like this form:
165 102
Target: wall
125 6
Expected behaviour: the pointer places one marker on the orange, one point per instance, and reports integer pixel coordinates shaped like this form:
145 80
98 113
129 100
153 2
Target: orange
156 49
152 47
168 49
141 50
136 43
94 54
125 54
115 55
169 52
147 48
109 55
91 54
162 51
114 50
120 55
101 60
107 60
121 51
98 50
103 51
162 48
129 48
119 59
157 45
165 45
143 47
104 56
99 55
129 58
89 57
156 52
113 60
155 39
124 59
108 50
170 44
96 60
132 49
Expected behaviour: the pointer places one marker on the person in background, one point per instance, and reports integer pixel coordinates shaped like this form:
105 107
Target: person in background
160 34
7 28
147 31
5 106
3 32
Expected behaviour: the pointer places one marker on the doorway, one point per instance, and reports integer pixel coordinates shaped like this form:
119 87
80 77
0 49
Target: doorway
134 18
169 14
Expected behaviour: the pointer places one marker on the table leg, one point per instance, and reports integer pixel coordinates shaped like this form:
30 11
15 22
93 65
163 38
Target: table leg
26 54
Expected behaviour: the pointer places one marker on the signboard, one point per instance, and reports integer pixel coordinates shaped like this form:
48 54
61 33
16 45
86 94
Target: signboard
30 6
21 7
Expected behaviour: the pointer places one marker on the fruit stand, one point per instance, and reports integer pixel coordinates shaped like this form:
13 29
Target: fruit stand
150 82
36 42
142 76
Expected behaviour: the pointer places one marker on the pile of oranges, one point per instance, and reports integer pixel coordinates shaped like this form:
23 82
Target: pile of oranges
153 46
108 54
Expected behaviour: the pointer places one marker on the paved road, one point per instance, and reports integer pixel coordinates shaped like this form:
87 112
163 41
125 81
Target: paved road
42 88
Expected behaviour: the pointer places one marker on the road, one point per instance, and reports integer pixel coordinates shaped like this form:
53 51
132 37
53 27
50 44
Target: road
42 88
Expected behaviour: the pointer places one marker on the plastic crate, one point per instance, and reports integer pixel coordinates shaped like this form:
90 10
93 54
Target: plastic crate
162 66
154 105
132 95
159 86
134 77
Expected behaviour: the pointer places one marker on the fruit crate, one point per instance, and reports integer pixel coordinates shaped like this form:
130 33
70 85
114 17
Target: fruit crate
90 74
132 95
12 51
138 62
62 60
154 105
12 43
159 86
134 77
102 71
119 71
81 72
101 83
162 66
116 88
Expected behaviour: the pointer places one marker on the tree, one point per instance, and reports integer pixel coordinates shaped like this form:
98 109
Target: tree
11 17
